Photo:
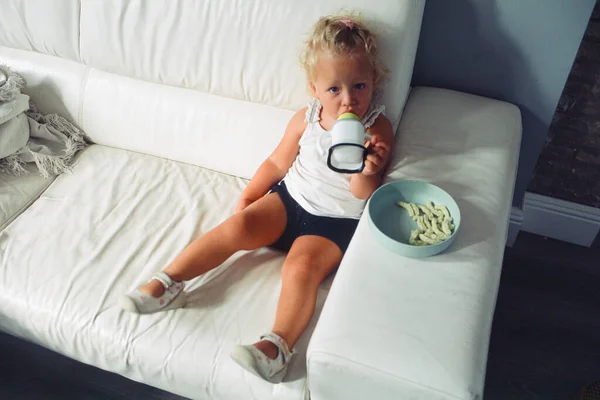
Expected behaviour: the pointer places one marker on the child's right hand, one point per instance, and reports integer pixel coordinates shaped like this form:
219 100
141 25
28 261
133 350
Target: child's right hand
243 203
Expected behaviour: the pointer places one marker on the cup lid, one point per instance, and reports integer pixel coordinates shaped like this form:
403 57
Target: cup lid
348 116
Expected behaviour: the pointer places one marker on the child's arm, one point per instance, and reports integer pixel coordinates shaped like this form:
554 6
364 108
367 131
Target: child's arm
276 166
364 184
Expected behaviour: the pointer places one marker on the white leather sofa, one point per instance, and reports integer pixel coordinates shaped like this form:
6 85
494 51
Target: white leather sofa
182 100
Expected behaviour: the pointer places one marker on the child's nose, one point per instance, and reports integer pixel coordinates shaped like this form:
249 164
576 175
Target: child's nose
348 99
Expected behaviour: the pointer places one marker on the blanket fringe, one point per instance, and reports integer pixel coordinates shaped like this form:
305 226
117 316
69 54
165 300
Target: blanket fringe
51 165
57 164
13 165
13 85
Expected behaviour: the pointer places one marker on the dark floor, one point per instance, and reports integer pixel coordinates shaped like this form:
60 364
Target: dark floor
545 339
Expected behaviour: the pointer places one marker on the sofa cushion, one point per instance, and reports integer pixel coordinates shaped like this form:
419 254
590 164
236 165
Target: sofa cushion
219 133
103 230
46 26
246 50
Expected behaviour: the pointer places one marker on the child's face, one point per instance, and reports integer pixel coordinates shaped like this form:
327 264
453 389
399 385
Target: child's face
343 84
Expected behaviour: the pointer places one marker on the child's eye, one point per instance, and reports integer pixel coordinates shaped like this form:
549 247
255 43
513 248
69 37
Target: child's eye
359 86
334 89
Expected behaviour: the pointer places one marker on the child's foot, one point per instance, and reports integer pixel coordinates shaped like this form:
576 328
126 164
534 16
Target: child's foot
153 287
161 293
268 348
267 358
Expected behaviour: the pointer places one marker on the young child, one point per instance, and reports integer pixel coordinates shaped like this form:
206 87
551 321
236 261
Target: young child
294 202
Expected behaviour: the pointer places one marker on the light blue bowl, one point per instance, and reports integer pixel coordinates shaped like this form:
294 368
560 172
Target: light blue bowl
392 225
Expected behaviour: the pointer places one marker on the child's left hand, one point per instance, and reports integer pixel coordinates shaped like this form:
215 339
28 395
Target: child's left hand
377 157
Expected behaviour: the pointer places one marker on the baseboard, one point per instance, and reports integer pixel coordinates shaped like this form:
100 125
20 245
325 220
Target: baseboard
554 218
514 226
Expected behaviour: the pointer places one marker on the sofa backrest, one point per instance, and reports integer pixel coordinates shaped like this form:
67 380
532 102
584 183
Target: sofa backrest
208 82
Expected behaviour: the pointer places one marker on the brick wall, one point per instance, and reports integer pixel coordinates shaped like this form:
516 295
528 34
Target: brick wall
569 165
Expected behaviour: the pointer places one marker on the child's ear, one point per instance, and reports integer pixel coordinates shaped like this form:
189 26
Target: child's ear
313 89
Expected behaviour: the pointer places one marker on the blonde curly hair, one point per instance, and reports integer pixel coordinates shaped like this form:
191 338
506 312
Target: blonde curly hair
344 34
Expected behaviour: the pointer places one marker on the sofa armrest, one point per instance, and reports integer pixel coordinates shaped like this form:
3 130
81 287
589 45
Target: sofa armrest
400 328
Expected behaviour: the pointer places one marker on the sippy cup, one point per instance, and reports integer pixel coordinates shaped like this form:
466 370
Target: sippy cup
347 153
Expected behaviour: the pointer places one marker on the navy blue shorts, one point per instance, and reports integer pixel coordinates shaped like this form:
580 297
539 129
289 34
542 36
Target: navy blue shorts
300 222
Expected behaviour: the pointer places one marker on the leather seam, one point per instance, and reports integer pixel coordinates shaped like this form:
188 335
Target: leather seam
84 79
34 197
82 90
79 34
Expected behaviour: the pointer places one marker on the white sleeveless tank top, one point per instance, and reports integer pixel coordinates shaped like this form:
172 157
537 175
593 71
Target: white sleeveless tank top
310 182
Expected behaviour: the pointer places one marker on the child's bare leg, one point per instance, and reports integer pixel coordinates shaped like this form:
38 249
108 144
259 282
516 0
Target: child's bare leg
307 264
258 225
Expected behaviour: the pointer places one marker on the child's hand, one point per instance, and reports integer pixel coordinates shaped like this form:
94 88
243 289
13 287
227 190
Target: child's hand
242 203
377 157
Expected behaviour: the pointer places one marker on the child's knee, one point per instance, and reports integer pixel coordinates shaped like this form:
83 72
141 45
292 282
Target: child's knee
237 227
300 268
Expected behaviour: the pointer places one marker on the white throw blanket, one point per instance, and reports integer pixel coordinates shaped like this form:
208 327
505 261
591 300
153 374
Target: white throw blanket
26 135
